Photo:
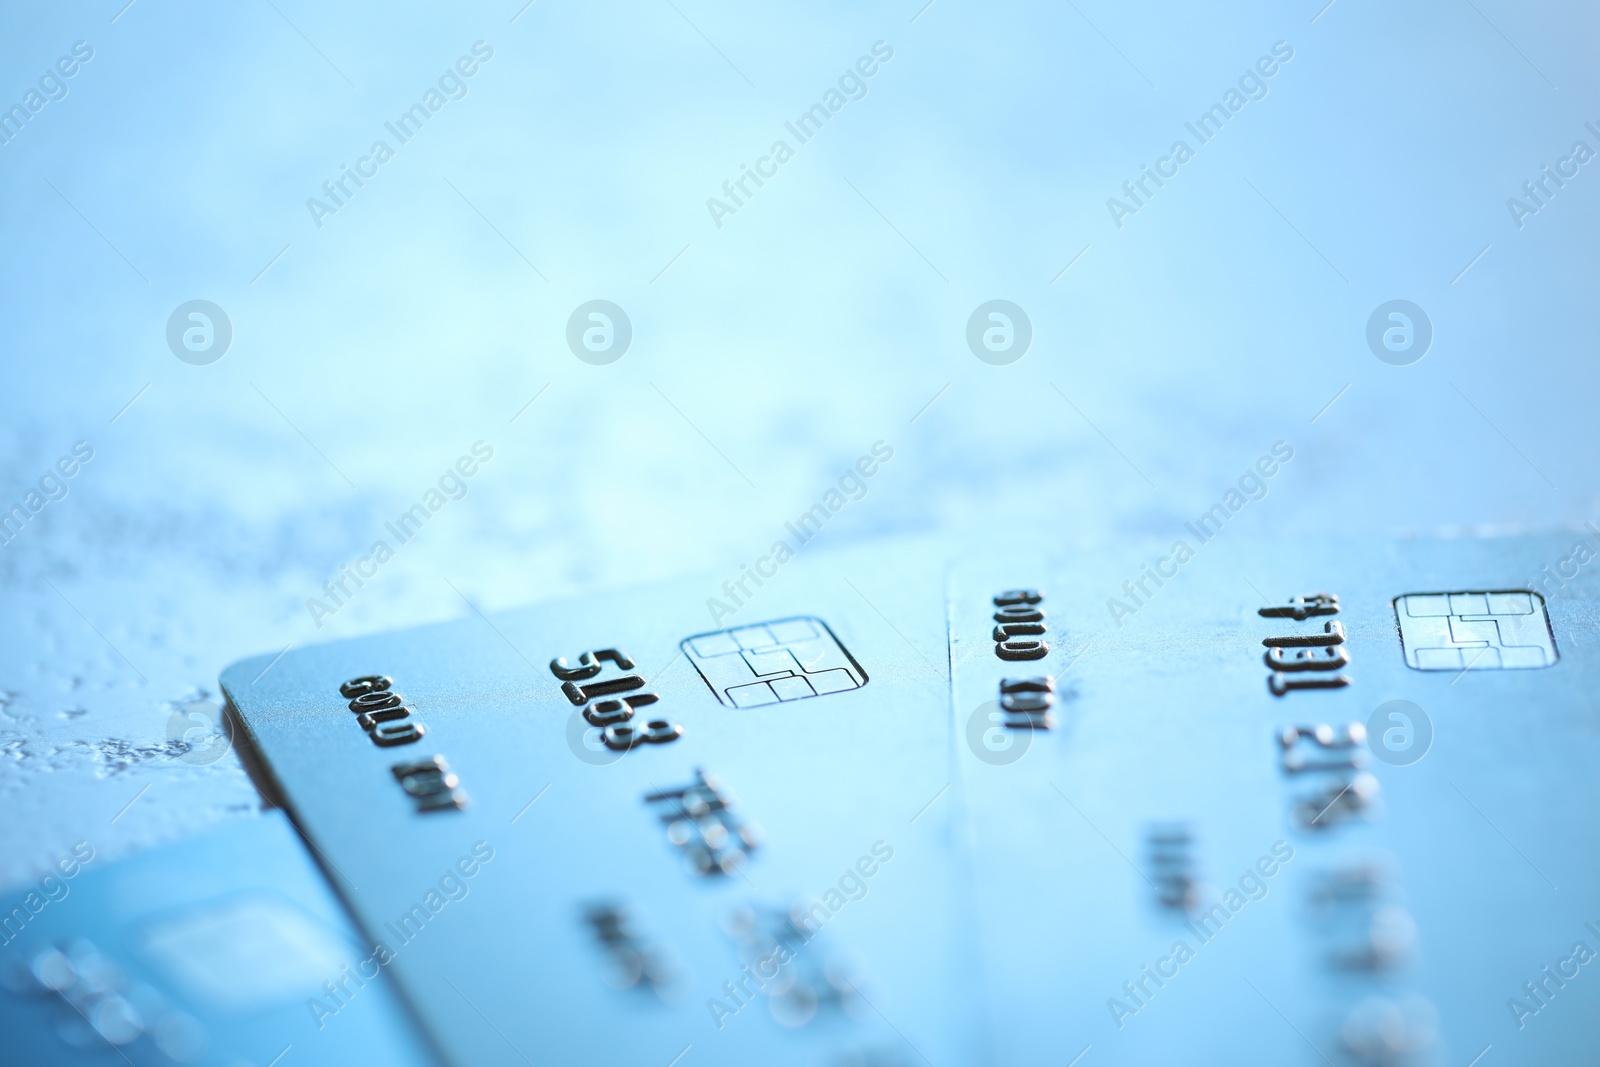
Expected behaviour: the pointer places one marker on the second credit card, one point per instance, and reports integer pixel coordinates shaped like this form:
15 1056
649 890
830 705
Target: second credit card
1273 803
714 816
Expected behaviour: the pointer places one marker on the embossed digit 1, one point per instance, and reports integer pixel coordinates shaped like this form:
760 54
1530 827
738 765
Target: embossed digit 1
1026 702
582 694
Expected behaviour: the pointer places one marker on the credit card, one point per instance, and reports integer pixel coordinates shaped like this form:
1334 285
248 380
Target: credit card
210 951
708 820
1284 803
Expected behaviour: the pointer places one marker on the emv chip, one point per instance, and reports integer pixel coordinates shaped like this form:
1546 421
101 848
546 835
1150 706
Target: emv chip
773 662
1487 631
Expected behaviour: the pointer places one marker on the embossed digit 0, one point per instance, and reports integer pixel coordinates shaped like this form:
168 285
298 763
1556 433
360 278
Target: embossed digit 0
397 733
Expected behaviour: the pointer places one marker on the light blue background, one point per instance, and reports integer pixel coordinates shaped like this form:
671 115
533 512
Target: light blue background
819 319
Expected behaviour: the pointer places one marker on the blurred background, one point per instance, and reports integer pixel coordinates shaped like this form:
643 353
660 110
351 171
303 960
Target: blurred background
356 343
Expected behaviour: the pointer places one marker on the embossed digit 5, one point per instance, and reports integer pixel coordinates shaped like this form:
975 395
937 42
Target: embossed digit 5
589 664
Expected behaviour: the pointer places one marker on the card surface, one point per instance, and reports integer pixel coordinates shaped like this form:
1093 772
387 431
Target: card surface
709 821
1284 803
215 950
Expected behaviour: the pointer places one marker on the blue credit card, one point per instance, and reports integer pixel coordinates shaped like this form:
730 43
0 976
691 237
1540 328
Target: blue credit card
1215 801
1308 803
229 949
710 820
